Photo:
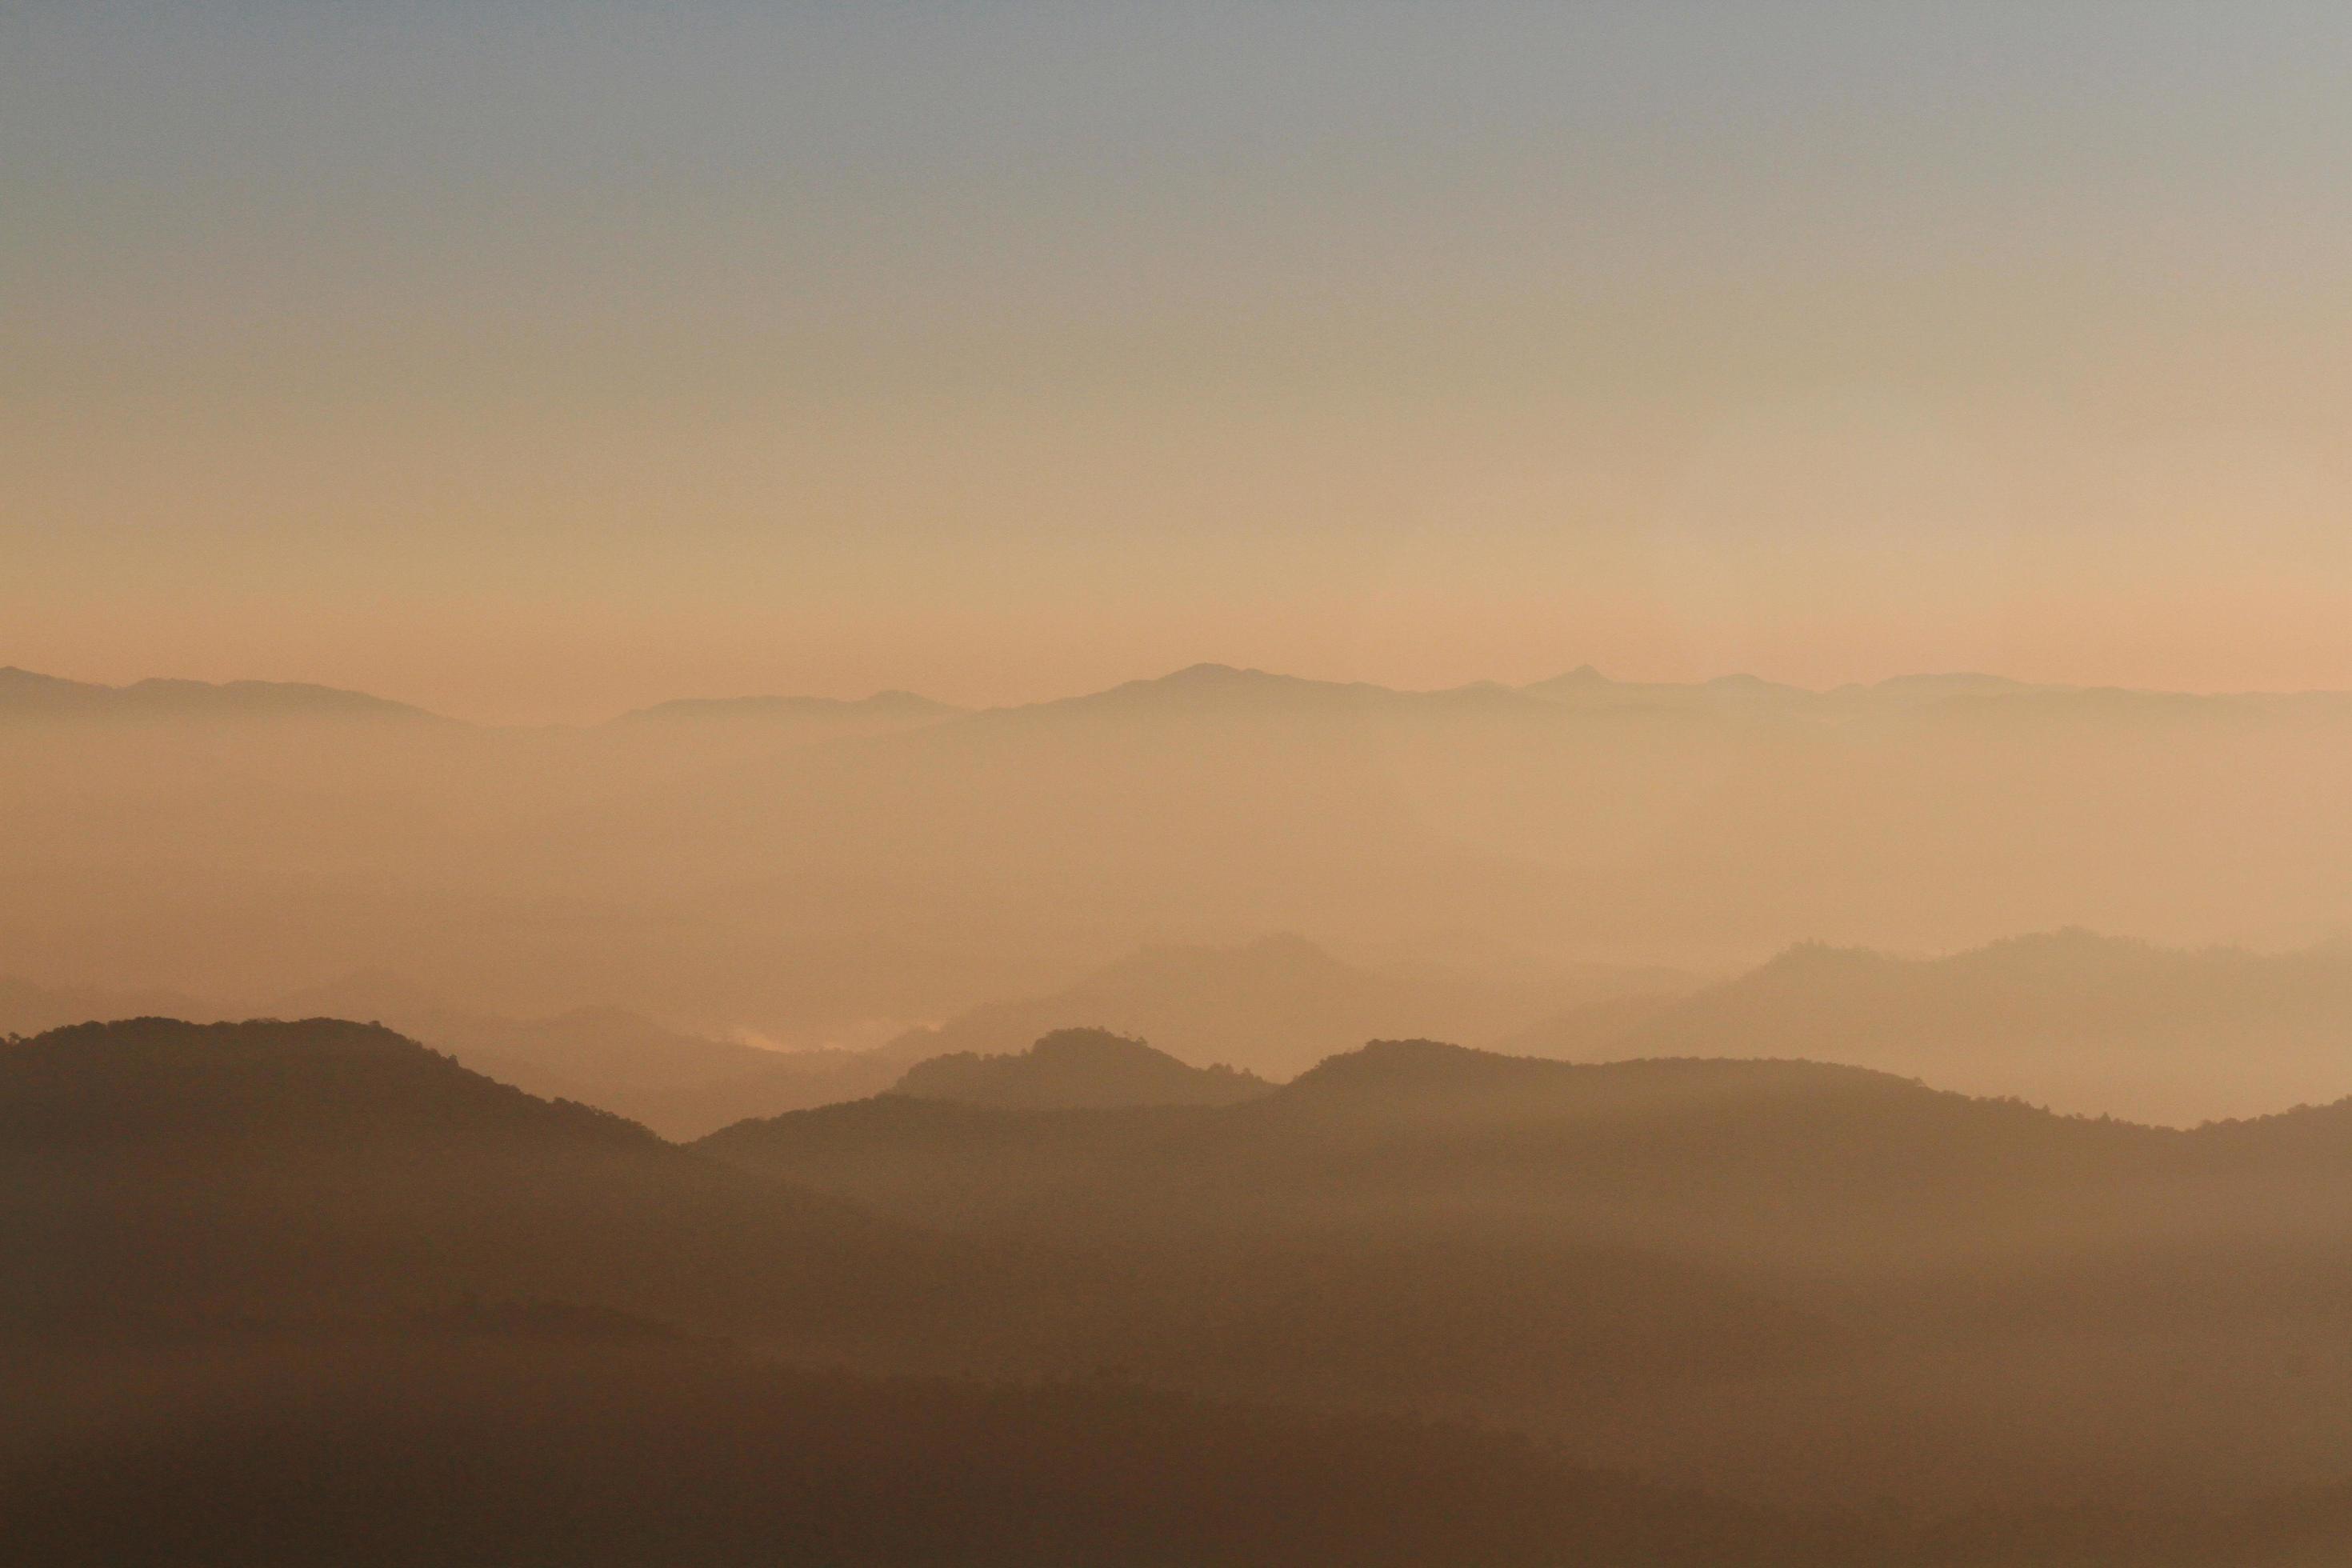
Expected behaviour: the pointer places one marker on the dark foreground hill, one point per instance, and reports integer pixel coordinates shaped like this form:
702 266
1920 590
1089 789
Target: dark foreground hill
1805 1173
420 1452
1806 1287
680 1084
1078 1068
1785 1279
492 1452
168 1172
1794 1161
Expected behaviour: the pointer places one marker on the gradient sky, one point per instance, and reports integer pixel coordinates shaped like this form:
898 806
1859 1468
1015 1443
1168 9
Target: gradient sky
535 361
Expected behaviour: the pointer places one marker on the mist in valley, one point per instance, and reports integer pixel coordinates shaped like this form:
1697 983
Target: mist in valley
1137 787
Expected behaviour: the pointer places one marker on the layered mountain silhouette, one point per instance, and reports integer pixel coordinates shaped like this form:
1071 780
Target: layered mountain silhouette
1279 1003
813 888
1599 1252
24 695
1074 1069
2079 1021
1787 1160
1200 687
680 1084
1271 1007
1794 1283
163 1172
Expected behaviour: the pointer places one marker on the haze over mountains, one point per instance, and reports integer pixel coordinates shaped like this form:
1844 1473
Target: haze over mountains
1273 1006
1754 1274
25 696
873 914
1789 1287
1277 1005
2080 1022
835 878
2075 1021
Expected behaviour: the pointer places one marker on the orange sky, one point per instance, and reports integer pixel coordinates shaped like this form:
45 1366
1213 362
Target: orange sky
533 373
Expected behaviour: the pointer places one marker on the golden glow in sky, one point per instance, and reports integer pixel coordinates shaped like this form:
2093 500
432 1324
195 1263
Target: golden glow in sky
527 361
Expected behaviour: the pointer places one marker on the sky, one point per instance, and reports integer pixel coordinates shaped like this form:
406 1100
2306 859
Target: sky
533 361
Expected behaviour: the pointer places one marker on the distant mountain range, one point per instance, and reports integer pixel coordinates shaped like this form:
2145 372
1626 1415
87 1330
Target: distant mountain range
1273 1006
1789 1163
1277 1005
2081 1021
819 872
26 694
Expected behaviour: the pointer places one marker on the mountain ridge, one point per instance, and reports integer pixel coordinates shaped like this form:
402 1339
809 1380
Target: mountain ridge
346 1170
1196 684
25 693
2090 1022
1273 1005
1078 1068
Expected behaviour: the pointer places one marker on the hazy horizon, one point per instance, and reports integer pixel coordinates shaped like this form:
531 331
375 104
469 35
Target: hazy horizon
1041 696
537 364
1125 786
